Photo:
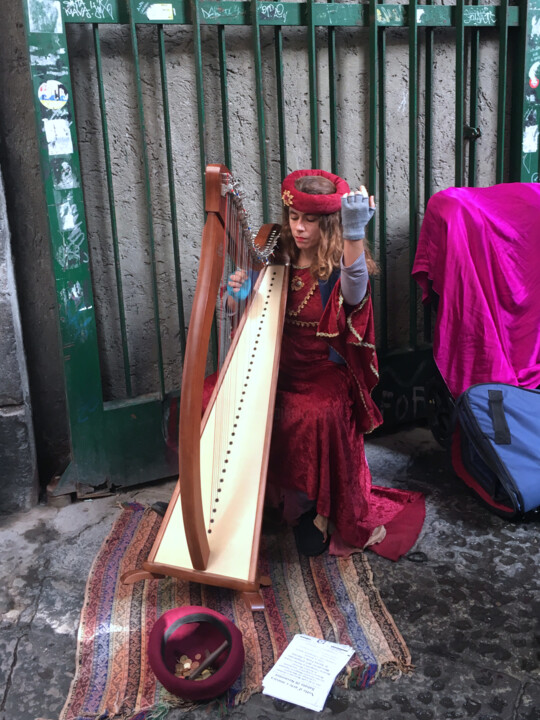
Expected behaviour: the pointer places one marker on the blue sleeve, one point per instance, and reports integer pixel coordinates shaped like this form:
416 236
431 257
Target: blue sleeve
354 280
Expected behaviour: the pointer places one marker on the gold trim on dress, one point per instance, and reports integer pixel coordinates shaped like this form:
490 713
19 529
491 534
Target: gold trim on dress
295 313
302 323
340 306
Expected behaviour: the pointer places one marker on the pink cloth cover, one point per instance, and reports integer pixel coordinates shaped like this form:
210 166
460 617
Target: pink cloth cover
479 252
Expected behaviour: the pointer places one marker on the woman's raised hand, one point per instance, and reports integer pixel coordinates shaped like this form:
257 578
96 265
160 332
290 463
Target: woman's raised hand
357 209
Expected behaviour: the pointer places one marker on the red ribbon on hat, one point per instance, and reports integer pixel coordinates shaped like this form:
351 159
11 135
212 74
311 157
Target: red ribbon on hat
308 203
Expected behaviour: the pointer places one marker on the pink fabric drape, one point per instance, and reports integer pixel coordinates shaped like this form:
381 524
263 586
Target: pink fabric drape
478 250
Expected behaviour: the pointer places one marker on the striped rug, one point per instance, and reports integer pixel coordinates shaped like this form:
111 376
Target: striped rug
326 597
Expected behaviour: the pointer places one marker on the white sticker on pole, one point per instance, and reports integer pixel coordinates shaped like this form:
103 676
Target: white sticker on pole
160 11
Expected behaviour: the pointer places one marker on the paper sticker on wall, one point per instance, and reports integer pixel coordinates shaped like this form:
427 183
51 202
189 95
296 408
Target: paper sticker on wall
530 139
45 16
160 11
58 137
53 94
533 80
66 213
64 177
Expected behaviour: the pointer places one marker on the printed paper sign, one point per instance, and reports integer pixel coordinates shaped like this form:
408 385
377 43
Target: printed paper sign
306 671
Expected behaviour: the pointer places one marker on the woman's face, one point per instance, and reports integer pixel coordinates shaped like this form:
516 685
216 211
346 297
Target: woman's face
305 231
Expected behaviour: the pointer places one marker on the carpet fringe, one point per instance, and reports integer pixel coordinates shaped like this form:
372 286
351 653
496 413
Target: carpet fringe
243 696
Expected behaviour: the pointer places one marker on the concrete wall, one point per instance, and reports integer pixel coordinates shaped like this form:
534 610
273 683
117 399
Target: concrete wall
18 468
30 245
26 206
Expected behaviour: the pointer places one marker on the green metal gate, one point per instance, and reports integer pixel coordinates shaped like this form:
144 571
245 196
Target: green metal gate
117 437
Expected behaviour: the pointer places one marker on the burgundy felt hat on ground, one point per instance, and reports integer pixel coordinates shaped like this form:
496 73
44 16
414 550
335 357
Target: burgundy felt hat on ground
190 631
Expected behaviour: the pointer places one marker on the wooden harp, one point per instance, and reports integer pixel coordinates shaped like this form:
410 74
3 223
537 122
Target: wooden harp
211 530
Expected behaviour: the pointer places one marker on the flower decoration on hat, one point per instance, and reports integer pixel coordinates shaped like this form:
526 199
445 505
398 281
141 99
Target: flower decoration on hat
323 204
287 198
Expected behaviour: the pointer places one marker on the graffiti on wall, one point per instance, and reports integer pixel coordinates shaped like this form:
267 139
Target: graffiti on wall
88 9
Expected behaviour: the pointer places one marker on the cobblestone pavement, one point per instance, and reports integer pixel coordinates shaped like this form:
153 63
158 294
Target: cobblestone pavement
466 600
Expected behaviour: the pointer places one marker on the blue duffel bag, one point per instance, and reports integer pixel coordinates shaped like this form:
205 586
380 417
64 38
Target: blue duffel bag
496 446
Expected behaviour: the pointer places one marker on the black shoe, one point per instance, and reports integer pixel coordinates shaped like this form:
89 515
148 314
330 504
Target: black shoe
309 539
160 508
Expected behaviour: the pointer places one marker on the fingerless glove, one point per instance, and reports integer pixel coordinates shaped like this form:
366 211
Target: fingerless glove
355 215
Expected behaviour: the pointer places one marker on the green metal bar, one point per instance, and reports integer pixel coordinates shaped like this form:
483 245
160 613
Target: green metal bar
428 150
148 194
428 114
172 191
373 128
373 100
260 107
381 199
525 149
473 94
460 56
69 252
501 100
313 109
234 12
413 164
112 212
280 101
199 81
222 51
197 48
373 116
333 103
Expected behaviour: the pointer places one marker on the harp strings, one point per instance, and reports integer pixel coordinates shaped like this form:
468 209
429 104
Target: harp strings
232 395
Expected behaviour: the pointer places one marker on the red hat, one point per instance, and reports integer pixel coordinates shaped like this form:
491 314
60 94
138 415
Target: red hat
316 204
190 630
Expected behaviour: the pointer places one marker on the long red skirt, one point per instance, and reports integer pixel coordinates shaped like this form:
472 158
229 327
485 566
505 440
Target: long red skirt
318 450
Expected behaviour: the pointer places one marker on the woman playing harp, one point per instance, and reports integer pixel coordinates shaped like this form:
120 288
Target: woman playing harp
318 472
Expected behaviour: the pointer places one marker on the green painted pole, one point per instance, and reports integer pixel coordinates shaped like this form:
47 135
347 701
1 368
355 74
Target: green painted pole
313 96
263 163
460 84
501 100
413 164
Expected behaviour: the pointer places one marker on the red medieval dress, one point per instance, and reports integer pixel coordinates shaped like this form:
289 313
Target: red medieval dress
323 409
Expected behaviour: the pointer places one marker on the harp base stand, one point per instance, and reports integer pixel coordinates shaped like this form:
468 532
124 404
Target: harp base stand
253 599
133 576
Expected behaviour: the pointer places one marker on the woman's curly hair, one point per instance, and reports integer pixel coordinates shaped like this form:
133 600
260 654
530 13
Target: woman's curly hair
330 247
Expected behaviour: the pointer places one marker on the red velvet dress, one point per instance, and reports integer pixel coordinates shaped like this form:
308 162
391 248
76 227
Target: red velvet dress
322 411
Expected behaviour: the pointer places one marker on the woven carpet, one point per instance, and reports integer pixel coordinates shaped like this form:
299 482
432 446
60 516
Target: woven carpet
326 597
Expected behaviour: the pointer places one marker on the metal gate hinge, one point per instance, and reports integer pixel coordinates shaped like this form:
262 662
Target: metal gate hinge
471 133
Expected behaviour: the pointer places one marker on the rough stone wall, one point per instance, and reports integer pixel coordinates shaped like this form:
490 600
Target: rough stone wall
18 469
27 208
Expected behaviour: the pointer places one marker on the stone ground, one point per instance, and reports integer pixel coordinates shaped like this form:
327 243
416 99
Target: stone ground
466 600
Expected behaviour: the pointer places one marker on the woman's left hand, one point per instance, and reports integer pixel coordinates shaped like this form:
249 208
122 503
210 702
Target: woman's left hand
357 209
239 285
